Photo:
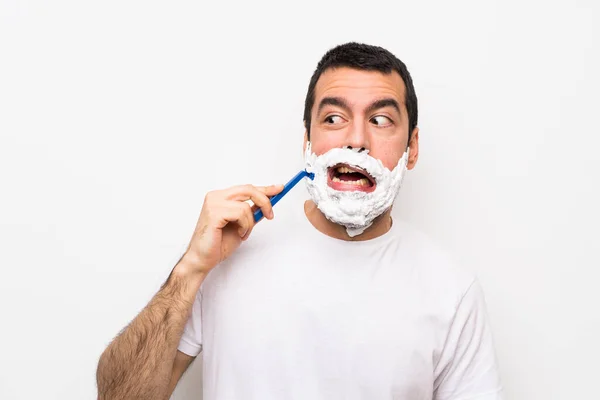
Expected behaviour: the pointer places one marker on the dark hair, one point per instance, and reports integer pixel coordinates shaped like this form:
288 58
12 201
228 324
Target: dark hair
368 58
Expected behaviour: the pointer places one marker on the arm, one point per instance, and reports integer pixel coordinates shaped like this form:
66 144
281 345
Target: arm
141 361
181 364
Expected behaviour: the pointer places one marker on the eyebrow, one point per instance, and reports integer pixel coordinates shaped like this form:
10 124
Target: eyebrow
382 103
333 101
342 103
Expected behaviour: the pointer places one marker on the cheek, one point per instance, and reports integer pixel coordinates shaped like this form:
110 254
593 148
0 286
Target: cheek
389 152
388 158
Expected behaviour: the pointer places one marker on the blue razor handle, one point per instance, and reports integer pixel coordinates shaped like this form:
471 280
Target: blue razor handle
258 214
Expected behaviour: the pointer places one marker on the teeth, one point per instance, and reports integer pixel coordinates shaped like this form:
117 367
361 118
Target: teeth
360 182
344 170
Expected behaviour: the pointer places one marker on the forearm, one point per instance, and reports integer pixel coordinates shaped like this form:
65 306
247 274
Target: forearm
139 362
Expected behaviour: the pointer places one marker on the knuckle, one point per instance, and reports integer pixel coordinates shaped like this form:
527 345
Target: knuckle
241 210
261 199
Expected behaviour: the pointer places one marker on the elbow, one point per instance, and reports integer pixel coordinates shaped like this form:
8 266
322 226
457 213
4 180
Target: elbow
104 376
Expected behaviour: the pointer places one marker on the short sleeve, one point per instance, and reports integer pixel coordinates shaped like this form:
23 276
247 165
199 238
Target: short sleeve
191 341
467 367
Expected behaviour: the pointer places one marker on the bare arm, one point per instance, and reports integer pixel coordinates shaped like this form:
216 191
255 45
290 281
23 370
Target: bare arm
143 362
140 362
181 364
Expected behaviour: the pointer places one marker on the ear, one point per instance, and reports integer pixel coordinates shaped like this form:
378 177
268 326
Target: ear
413 155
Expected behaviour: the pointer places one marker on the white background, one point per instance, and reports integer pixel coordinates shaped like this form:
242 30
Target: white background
116 117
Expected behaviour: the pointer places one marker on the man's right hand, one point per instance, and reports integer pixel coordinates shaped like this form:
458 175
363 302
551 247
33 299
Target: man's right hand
225 221
126 373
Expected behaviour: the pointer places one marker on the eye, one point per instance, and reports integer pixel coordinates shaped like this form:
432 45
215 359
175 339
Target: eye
333 119
381 120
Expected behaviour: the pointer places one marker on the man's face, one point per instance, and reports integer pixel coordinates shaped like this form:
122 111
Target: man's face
361 109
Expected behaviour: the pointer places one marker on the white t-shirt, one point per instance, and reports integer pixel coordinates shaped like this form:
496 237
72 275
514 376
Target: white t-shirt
296 314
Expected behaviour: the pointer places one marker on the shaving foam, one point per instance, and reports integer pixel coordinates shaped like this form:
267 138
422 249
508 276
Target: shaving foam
355 210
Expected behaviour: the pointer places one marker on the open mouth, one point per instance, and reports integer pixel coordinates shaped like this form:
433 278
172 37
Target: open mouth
344 177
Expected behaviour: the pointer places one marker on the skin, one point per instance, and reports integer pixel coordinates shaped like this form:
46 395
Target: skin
355 122
143 362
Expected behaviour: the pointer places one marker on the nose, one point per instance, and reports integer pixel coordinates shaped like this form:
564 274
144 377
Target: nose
356 149
357 137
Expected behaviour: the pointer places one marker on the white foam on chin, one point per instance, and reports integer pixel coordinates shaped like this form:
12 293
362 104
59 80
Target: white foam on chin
355 210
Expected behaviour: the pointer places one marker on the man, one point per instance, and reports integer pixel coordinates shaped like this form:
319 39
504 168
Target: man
346 303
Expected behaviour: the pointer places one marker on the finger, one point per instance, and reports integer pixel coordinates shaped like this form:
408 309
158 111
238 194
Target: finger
257 195
243 192
246 220
271 190
243 217
233 212
259 200
249 217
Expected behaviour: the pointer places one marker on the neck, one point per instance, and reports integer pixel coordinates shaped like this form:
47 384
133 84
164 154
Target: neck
380 225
